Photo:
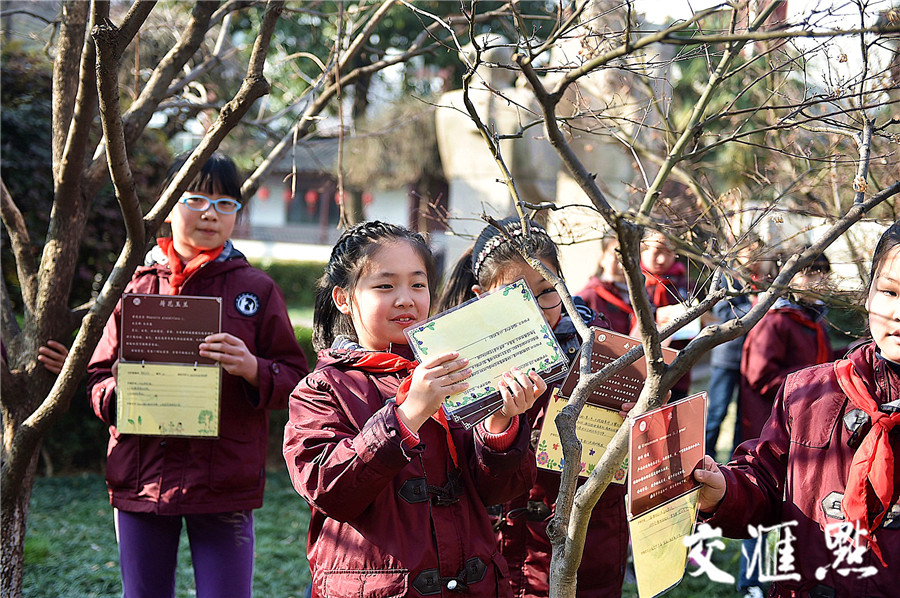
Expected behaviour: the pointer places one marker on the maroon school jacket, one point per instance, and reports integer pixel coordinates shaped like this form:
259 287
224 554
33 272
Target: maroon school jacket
619 319
671 288
523 532
797 471
774 348
386 521
178 476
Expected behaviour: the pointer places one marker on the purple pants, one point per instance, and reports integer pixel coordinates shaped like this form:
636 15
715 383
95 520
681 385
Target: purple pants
221 551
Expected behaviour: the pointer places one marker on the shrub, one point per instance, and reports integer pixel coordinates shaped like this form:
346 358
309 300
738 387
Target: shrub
296 279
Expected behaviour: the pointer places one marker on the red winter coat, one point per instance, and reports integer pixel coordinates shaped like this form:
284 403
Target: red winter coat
671 288
523 533
797 471
179 476
777 346
377 527
594 294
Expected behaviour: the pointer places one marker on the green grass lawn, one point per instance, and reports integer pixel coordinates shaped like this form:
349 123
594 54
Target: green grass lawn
71 546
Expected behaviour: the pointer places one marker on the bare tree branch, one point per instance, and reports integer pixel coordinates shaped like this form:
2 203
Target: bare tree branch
133 21
65 71
324 90
20 241
69 209
143 108
9 326
253 87
548 104
697 113
106 39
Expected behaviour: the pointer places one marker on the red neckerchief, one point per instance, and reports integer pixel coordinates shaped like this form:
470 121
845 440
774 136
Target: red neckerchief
614 300
823 355
181 271
659 286
873 463
385 362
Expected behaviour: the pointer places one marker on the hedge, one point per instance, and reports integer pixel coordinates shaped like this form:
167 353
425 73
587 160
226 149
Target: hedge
296 279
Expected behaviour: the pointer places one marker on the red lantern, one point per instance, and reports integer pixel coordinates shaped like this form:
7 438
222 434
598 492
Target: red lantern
288 195
263 193
311 198
367 198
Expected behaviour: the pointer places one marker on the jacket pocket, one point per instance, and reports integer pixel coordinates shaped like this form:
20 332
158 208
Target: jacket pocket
123 462
236 463
501 576
364 583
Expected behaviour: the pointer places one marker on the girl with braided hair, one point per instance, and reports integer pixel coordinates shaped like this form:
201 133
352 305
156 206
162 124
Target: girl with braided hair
396 492
492 262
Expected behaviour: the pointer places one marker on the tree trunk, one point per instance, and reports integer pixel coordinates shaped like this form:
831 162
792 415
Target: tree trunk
13 519
24 386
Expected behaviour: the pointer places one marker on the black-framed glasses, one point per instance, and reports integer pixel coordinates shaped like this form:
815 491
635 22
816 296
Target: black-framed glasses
548 299
201 203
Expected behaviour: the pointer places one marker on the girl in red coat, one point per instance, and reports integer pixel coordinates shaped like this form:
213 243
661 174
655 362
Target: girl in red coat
397 492
791 336
824 461
606 292
492 263
668 288
211 485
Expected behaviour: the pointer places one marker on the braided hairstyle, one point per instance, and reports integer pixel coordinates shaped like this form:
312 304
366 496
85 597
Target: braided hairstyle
493 253
345 266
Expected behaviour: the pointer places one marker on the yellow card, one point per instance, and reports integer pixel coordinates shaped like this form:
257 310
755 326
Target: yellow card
595 428
168 399
657 545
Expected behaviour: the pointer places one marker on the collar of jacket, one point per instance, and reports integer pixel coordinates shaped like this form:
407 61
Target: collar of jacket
346 351
157 256
882 378
814 311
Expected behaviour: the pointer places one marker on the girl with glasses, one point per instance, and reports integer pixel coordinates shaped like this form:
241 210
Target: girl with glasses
492 262
157 484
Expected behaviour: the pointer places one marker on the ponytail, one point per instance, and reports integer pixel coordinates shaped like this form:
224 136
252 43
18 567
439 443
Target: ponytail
459 285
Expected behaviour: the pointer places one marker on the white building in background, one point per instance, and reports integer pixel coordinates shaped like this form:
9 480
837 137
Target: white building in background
295 212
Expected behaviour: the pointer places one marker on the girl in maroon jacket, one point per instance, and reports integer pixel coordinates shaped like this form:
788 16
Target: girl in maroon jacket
397 492
791 336
824 461
606 292
212 485
493 262
668 288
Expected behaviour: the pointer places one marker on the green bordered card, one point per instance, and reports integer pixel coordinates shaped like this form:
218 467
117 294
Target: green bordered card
495 332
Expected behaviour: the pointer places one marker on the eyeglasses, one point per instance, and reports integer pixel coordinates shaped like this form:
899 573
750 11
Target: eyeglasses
548 299
201 203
